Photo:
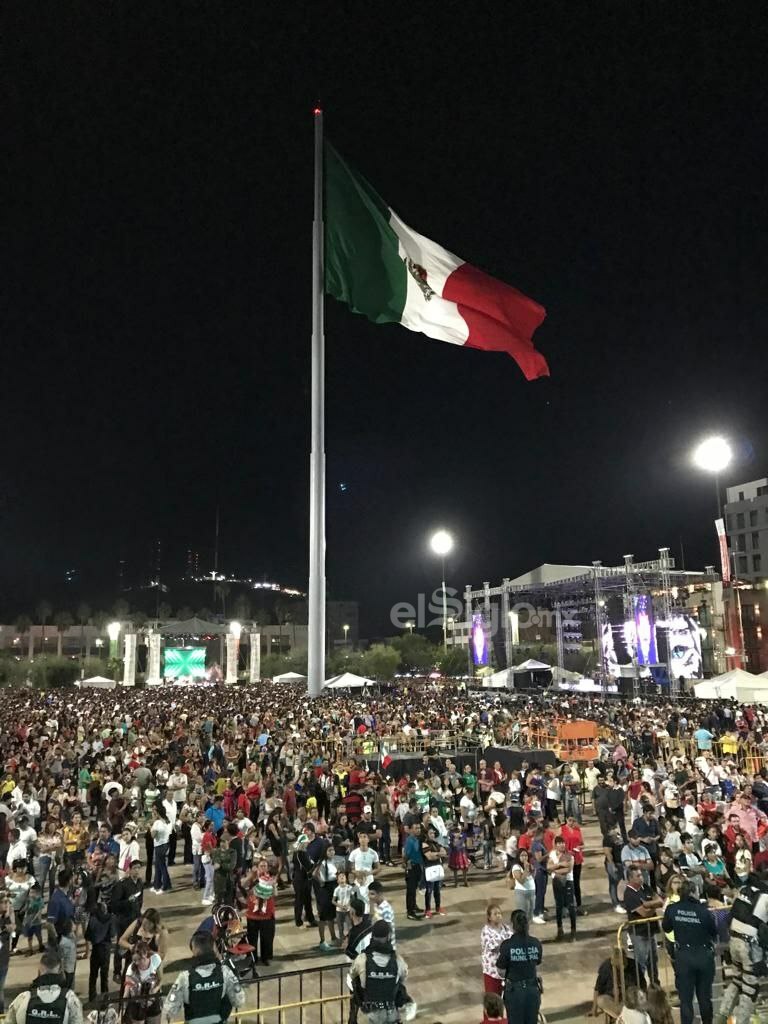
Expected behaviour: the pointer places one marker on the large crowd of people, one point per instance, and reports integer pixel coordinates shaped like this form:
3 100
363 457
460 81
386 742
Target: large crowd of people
249 792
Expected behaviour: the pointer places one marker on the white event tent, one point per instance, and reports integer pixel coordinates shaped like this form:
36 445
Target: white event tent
100 682
735 684
348 681
498 681
290 677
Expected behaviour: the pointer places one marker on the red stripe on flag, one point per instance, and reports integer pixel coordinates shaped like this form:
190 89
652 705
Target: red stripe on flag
499 317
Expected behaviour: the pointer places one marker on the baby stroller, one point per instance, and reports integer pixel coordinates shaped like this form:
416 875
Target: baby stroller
231 942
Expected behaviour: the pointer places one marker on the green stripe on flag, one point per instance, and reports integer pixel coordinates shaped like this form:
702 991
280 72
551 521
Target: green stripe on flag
362 264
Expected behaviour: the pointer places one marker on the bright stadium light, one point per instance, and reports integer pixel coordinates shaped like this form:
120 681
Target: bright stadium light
713 455
441 543
113 631
236 630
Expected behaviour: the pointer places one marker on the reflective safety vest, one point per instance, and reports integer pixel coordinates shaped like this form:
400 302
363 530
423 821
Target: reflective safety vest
207 1004
40 1012
380 983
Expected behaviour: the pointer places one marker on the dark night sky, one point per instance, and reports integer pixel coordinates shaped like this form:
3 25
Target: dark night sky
608 159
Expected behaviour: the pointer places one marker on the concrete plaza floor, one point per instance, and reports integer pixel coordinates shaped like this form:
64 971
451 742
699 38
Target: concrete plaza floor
443 954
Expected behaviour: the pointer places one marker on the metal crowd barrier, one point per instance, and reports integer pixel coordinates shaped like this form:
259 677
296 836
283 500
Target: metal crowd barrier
317 995
625 946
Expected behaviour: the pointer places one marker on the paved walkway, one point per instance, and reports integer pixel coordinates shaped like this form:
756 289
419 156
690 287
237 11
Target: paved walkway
443 954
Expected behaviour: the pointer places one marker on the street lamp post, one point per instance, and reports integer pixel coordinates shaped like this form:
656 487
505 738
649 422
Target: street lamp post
99 645
345 627
442 544
713 455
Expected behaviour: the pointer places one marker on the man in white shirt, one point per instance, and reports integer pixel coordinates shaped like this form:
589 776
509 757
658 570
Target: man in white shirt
27 804
177 787
17 850
467 806
365 865
591 775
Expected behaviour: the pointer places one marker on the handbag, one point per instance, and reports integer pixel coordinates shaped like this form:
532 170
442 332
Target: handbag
434 873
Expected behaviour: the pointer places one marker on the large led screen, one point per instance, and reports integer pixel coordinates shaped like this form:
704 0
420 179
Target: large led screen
646 641
184 662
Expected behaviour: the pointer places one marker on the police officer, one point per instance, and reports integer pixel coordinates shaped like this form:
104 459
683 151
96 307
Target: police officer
518 958
695 936
207 993
378 979
748 947
47 1000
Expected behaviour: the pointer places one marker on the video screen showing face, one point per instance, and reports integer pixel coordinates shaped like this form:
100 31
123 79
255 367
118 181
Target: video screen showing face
684 639
479 641
637 640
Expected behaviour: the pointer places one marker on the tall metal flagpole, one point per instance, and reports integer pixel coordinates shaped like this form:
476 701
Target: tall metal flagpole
316 623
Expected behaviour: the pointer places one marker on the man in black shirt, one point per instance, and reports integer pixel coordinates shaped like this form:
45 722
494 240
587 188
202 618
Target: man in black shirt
695 936
647 827
616 800
603 996
640 903
368 825
127 899
613 844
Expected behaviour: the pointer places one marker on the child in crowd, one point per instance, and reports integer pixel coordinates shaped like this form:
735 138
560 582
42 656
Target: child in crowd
33 918
457 854
342 895
68 952
264 890
493 1009
657 1005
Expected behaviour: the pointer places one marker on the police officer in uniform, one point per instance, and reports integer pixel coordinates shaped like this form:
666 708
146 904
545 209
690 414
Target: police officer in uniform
518 959
378 979
208 991
695 936
748 948
47 1000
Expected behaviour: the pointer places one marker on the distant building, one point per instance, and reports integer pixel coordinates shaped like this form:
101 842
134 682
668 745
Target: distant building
746 524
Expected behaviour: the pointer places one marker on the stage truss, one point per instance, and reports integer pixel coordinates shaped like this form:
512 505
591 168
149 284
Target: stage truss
588 591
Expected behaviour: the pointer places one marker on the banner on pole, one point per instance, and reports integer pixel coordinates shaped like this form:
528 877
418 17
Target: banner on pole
153 660
725 564
129 660
232 645
255 657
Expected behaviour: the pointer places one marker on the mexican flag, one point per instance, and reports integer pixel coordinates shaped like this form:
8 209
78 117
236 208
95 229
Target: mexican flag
390 273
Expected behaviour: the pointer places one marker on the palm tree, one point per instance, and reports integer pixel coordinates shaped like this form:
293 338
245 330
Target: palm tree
62 621
221 590
23 624
243 609
121 609
83 615
43 612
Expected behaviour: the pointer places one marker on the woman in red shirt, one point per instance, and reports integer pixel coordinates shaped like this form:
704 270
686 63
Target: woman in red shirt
260 912
574 844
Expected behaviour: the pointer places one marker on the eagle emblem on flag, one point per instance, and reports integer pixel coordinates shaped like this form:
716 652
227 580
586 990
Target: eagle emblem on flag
419 274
